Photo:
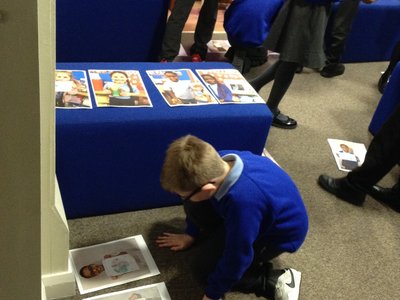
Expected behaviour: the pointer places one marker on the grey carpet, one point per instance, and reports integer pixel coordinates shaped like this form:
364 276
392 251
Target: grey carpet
350 252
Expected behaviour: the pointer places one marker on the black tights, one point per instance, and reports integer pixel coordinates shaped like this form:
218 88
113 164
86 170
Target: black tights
282 72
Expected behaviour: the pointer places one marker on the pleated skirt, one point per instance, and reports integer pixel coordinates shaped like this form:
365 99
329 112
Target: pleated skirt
297 33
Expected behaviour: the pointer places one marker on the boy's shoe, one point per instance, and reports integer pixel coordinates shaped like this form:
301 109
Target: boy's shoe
383 81
332 70
164 60
343 189
288 285
387 196
196 58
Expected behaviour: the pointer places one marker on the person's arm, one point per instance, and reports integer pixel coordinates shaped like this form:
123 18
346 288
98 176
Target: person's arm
241 227
174 241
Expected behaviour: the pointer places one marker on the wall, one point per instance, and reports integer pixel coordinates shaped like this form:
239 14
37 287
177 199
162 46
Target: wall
34 235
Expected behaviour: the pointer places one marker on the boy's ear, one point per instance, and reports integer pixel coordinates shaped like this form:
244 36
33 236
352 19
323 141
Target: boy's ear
209 187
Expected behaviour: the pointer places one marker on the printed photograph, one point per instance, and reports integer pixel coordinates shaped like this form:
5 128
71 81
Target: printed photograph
348 155
72 89
218 46
113 263
119 88
229 86
156 291
181 87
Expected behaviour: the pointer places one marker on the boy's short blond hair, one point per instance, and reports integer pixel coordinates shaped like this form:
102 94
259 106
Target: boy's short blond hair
190 163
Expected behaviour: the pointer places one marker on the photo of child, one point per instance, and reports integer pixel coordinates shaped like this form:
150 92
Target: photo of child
157 291
229 86
119 88
72 89
112 263
181 87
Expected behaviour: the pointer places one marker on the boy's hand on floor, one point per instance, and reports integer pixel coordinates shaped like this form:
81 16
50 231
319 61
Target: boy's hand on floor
174 241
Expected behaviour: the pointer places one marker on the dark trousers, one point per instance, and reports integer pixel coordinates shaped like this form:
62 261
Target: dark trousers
340 21
176 22
258 278
382 155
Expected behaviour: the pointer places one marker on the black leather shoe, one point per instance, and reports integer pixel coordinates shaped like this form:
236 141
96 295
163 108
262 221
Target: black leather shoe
342 189
388 196
383 81
299 69
283 121
332 70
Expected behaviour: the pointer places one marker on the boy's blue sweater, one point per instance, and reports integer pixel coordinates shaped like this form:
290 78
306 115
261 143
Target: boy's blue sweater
258 202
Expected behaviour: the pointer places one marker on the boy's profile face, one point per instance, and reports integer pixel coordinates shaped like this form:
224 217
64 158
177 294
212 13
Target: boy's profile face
201 193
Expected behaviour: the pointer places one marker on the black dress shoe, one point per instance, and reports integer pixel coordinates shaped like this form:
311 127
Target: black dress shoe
343 189
283 121
299 69
388 196
383 81
332 70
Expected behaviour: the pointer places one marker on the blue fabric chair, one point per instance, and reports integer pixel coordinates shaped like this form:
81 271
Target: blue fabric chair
109 31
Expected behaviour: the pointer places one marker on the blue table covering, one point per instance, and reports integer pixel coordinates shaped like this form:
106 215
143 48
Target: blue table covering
375 31
109 30
108 160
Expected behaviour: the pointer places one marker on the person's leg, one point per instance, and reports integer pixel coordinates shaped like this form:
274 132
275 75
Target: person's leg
282 72
382 155
261 279
204 28
341 26
395 58
174 27
283 78
267 76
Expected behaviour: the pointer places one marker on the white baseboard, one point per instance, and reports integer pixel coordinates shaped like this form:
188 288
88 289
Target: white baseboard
59 285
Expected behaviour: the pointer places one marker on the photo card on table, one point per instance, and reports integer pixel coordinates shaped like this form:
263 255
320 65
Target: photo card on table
157 291
112 263
229 86
72 90
348 155
119 88
181 87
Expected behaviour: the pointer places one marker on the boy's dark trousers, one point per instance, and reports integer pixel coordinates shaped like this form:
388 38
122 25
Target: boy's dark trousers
259 278
382 155
340 28
176 22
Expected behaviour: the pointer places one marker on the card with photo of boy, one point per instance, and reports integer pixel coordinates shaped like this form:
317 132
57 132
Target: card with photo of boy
112 263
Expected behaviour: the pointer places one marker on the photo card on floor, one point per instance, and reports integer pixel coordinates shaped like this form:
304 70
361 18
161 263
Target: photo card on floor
112 263
157 291
348 155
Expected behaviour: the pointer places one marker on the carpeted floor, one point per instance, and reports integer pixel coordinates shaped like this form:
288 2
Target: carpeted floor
350 252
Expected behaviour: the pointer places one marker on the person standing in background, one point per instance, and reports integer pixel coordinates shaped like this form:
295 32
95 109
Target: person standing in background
297 33
336 36
202 35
